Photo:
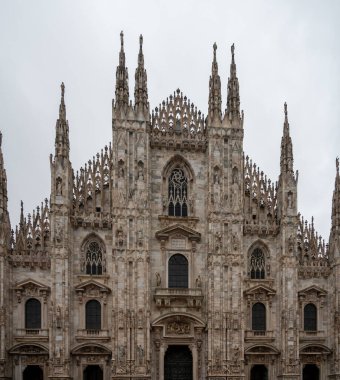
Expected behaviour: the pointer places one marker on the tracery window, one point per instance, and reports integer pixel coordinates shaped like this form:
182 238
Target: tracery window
93 315
178 271
33 314
257 264
258 317
178 193
94 258
310 317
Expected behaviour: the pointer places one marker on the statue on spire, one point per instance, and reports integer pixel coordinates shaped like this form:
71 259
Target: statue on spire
62 144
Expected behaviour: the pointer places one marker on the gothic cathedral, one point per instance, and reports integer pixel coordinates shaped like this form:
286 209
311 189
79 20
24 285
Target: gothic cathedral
170 255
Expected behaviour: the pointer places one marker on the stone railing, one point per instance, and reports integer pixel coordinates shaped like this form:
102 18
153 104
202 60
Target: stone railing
178 297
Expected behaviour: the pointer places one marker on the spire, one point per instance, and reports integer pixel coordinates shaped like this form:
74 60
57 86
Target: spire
233 98
214 90
122 86
62 144
286 160
3 184
336 199
141 89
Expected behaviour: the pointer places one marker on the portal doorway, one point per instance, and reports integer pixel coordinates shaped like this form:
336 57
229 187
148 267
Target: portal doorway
33 372
311 372
178 363
93 372
259 372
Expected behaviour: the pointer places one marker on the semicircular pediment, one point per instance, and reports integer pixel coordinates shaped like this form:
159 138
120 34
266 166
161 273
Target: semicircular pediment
90 349
178 317
313 349
29 349
262 349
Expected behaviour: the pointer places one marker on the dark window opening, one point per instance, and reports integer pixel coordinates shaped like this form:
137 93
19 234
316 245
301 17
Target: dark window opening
93 315
310 317
178 271
33 314
259 317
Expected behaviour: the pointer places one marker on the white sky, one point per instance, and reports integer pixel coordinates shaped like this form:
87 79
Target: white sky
286 50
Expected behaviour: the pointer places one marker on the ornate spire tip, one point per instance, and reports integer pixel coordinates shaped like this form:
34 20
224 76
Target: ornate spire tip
337 165
0 139
285 108
121 39
141 41
62 86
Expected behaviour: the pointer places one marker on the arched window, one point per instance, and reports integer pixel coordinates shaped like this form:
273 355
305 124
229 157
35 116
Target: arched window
93 315
33 314
257 264
178 271
94 258
310 317
258 317
178 193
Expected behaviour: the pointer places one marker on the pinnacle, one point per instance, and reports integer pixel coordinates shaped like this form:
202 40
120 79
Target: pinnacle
337 166
62 108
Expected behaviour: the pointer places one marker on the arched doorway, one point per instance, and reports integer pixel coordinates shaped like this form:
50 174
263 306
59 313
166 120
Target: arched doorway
33 372
311 372
93 372
178 363
259 372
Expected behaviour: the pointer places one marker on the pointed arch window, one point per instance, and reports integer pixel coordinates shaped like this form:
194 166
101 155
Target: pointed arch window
178 193
93 315
178 271
258 317
257 264
33 314
94 258
310 317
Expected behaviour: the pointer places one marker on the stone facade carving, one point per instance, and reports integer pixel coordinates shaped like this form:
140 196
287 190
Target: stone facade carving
174 211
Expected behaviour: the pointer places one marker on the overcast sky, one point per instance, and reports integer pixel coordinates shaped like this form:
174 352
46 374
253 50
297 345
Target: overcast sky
285 51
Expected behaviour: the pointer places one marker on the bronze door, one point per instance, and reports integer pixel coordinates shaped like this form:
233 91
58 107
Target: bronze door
178 363
93 372
33 372
259 372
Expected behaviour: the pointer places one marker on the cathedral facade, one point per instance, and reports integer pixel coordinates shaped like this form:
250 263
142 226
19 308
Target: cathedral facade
169 255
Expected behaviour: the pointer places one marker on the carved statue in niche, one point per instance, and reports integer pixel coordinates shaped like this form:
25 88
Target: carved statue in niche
140 238
121 354
121 169
158 279
290 199
235 196
140 173
140 354
59 186
120 237
58 317
198 282
58 232
218 241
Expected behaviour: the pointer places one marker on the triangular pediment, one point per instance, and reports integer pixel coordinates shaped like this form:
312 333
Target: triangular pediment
178 229
264 289
31 284
313 290
92 284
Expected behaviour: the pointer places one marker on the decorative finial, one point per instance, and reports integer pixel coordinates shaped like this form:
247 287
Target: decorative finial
286 112
0 139
141 41
337 165
62 86
122 39
22 206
